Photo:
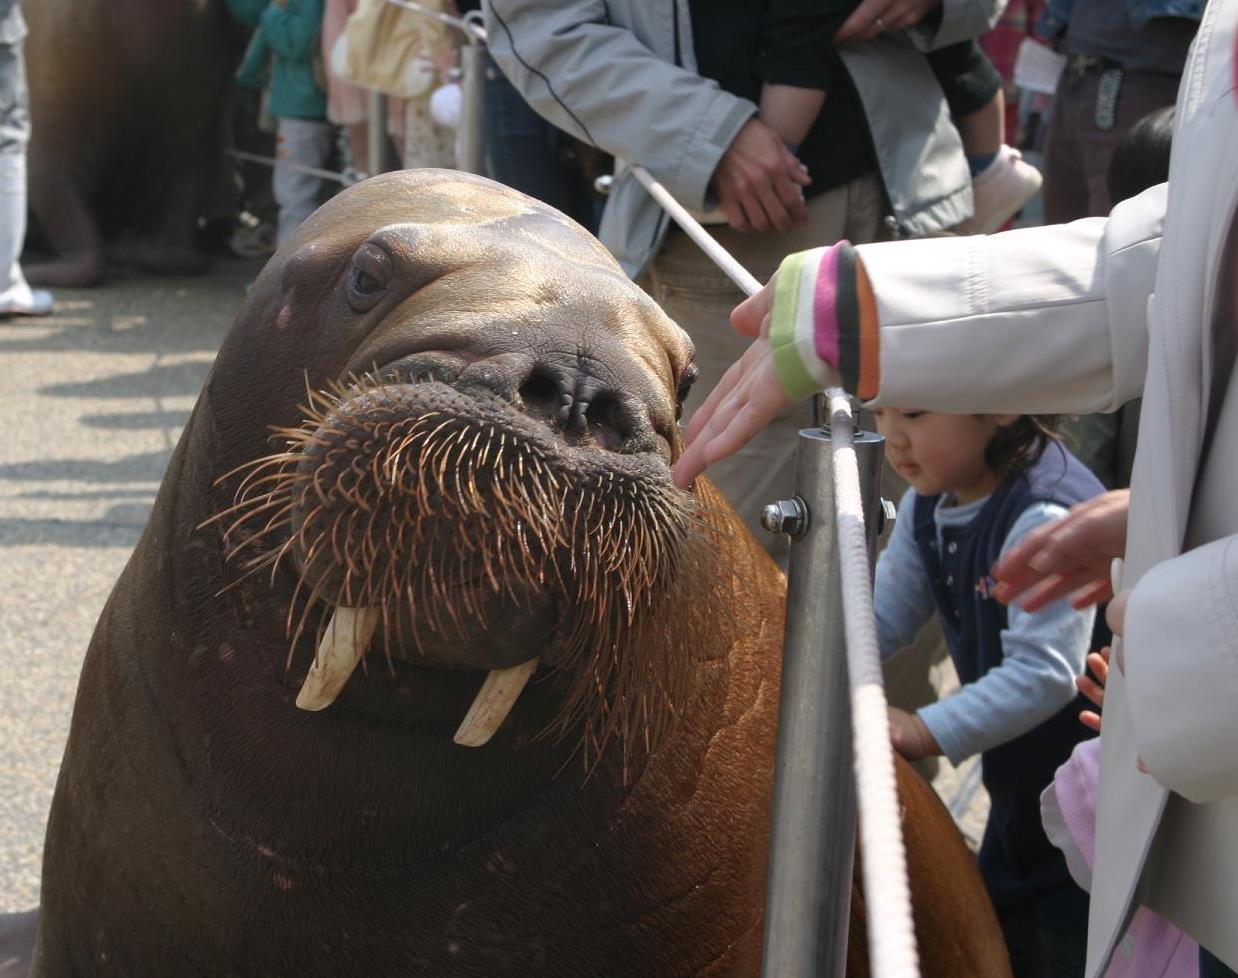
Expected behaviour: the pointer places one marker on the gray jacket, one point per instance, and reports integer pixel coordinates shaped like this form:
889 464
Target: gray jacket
606 72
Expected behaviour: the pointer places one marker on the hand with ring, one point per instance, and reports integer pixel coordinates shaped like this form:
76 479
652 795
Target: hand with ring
873 17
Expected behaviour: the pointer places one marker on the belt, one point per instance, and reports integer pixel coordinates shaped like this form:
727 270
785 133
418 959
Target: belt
1107 85
1081 64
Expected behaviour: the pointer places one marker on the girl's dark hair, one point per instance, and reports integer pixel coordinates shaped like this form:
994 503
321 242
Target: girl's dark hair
1016 447
1141 159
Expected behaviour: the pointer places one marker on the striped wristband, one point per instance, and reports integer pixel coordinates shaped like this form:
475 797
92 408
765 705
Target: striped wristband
824 320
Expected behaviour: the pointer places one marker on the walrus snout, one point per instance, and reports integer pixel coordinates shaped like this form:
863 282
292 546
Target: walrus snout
583 401
465 533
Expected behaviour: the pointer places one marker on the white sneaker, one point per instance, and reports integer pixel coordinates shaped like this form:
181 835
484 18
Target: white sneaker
1000 192
26 302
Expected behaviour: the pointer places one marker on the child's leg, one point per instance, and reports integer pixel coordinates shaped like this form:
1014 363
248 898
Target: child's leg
306 142
982 131
973 91
1001 181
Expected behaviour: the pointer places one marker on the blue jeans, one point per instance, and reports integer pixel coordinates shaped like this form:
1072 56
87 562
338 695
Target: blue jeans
529 154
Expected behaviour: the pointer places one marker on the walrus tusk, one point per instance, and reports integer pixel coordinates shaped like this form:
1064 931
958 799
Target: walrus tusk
495 699
343 643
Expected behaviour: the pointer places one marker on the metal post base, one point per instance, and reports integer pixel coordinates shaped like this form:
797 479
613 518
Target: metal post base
812 840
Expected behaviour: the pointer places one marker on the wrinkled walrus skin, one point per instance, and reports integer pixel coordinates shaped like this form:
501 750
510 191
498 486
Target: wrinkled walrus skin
126 103
203 825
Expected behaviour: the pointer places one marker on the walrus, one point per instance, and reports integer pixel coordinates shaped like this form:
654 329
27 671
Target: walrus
423 666
126 107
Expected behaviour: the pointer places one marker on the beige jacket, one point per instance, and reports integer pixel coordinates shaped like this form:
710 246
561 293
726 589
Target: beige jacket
1084 317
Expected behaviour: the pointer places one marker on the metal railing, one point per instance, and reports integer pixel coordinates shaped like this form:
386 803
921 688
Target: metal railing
832 728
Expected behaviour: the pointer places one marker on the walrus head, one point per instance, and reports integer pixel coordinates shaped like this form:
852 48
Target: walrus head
471 472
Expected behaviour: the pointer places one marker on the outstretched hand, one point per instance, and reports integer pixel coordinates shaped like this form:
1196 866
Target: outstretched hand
747 398
1069 556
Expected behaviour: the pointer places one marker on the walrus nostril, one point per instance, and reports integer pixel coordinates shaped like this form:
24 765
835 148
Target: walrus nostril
542 395
609 418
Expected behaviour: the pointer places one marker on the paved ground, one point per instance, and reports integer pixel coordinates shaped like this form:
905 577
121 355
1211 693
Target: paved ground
92 401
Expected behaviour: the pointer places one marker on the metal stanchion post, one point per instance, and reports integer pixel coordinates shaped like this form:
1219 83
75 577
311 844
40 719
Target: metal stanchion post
376 134
812 841
471 139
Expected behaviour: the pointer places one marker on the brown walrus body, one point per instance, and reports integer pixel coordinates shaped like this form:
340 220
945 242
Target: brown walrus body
488 466
126 100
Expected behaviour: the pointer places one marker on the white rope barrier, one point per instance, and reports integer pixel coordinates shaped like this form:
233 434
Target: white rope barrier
719 255
891 931
345 179
891 934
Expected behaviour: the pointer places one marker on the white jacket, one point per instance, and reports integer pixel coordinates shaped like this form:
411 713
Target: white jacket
1084 317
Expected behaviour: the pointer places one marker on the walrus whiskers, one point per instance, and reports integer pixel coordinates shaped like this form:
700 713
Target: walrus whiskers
368 484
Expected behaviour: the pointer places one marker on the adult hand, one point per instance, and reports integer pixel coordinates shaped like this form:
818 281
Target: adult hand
910 736
759 181
873 17
746 399
1072 555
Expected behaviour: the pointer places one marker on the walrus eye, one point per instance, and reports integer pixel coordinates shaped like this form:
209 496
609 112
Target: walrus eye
371 271
685 385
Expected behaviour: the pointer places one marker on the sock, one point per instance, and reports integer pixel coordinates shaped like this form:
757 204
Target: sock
979 162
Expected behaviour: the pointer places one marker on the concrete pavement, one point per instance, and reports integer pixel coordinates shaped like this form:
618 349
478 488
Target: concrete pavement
92 401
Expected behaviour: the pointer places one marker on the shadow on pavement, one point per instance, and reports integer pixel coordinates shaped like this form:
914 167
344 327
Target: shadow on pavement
121 526
144 467
137 420
170 380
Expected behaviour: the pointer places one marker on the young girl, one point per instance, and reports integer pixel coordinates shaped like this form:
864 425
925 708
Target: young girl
978 484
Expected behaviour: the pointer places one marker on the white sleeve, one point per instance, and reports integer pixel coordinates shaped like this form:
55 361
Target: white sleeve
1039 320
1181 656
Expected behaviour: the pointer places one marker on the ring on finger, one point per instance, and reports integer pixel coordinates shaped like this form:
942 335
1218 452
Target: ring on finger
881 24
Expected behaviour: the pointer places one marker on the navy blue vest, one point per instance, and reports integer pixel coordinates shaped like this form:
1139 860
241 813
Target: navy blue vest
1016 858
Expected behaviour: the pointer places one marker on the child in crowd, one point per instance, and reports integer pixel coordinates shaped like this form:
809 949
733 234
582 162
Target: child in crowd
283 57
796 65
978 484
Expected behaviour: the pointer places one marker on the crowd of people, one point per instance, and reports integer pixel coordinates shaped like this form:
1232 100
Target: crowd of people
863 156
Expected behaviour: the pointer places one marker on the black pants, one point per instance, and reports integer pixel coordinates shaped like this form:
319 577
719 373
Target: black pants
1047 936
1211 967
